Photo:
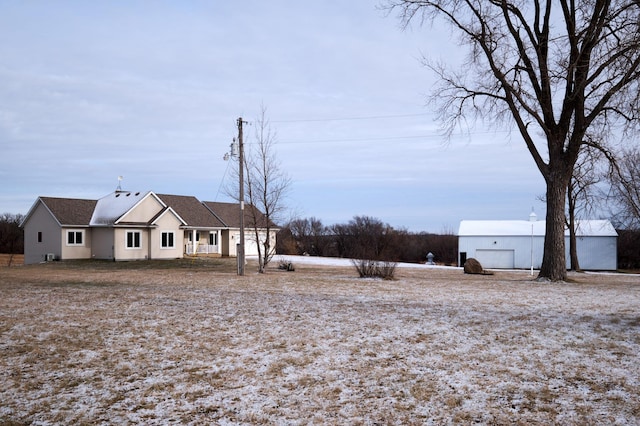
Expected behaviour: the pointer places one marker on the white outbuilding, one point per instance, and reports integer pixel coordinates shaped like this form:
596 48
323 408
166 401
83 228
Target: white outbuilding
519 244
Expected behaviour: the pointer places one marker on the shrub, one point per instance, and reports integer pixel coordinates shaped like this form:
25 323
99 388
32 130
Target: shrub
286 266
375 268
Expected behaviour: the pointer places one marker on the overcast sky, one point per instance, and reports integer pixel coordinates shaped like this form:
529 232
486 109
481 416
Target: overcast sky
93 90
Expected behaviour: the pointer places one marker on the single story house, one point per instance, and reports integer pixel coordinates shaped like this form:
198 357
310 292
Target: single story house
126 225
519 244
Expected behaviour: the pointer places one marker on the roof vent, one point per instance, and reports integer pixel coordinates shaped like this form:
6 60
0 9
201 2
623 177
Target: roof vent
533 217
137 193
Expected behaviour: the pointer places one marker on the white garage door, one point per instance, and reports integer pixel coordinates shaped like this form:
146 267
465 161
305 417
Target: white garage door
250 247
499 259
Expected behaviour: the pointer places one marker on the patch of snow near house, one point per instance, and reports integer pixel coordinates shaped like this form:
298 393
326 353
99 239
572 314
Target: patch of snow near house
340 262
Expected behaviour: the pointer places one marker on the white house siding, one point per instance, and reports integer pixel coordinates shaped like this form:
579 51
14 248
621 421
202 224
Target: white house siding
82 251
121 252
250 248
167 223
41 221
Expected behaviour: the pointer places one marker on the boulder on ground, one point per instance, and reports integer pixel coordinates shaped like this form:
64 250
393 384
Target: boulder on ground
472 266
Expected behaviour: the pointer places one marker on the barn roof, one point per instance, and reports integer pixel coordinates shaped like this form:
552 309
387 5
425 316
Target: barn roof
483 228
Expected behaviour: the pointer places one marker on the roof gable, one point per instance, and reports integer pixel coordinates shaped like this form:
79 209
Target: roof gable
67 211
111 208
163 212
192 211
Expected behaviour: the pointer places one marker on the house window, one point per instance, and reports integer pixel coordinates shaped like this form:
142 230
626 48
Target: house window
167 239
133 239
197 236
213 239
39 236
74 238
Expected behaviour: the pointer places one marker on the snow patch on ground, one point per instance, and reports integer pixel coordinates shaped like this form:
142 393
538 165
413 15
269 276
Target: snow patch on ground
335 261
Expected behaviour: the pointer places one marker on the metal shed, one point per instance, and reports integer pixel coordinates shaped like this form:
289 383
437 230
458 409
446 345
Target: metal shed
519 244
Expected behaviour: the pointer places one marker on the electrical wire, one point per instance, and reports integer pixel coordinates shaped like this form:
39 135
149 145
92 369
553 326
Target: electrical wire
226 170
365 139
378 138
372 117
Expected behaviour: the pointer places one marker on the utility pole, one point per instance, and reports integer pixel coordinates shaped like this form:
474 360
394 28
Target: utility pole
241 173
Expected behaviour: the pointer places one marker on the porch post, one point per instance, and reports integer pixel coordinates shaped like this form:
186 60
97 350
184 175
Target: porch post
193 241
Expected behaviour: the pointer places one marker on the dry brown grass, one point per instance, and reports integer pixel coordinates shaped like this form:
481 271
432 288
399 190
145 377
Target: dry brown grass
190 342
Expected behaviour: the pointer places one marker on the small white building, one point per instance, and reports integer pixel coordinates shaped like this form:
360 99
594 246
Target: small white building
519 244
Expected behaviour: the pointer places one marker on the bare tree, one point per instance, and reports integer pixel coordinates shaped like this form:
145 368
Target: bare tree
364 237
266 187
625 189
310 234
564 69
579 198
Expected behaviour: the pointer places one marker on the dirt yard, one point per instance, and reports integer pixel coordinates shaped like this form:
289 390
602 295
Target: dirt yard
192 343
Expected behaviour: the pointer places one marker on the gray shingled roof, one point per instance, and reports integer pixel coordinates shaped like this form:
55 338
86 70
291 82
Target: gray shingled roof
69 211
208 214
229 213
191 210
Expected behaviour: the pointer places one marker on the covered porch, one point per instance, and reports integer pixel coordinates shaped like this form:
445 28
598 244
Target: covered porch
202 242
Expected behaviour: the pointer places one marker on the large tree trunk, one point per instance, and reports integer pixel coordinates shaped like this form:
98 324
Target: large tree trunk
573 247
554 263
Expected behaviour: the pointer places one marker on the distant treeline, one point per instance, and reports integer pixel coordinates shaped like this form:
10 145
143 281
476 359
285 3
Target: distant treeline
628 249
11 235
369 238
362 237
365 237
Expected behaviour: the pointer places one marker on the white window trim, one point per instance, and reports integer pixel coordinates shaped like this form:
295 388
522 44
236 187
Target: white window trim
126 240
75 231
173 240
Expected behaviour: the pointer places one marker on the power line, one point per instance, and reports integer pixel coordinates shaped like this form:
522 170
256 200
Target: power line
372 117
382 138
